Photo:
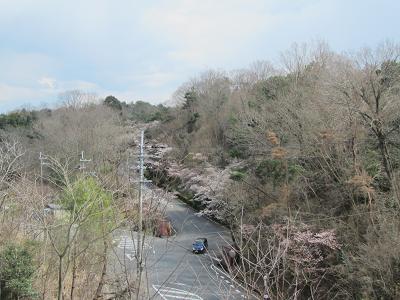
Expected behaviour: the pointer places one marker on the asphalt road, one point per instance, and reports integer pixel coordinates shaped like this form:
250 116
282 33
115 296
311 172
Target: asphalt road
173 271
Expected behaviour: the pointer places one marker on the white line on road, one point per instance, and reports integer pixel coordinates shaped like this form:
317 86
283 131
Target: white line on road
232 280
127 242
130 256
166 293
179 297
213 257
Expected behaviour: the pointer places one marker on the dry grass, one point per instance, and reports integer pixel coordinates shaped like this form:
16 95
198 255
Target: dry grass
272 138
362 183
278 153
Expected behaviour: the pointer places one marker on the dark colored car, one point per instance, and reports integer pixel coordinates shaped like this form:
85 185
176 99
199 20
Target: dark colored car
200 245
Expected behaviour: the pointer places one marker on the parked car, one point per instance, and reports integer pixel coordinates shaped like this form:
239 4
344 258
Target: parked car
200 245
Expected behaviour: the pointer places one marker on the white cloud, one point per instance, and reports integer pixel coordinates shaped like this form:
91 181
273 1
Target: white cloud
77 85
221 33
48 90
154 79
47 82
18 95
145 49
203 32
25 67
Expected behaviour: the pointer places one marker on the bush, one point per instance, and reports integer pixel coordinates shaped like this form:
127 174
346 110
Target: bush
86 193
277 170
16 272
237 175
237 152
21 118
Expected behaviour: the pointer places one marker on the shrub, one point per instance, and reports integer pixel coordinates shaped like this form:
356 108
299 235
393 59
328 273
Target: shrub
276 170
237 175
237 152
86 193
16 272
21 118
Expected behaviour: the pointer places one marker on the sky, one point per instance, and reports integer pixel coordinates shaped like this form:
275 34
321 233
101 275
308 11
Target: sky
144 50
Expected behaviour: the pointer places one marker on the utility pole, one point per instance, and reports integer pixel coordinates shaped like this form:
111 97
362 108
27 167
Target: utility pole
83 161
43 162
140 242
141 177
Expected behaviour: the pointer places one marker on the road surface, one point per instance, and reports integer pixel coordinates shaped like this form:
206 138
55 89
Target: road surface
173 271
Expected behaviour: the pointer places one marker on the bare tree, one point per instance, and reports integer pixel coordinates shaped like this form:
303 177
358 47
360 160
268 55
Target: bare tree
76 99
11 152
369 86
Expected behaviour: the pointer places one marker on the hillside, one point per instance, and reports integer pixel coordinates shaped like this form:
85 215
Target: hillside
312 150
299 161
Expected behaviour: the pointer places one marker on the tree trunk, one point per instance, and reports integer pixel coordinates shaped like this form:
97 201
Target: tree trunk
103 273
60 283
386 160
74 268
385 156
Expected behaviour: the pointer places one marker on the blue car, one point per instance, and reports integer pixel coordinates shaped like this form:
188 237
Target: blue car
200 245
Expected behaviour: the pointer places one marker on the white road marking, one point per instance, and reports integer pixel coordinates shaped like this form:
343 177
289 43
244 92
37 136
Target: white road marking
130 256
214 258
129 245
179 297
126 242
167 292
229 282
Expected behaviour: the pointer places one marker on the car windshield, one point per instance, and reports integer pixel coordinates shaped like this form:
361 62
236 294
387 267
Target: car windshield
198 243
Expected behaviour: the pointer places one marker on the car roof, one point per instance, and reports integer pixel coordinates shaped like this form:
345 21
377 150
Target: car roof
201 239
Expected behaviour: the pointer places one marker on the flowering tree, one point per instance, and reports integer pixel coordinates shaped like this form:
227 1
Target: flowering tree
288 261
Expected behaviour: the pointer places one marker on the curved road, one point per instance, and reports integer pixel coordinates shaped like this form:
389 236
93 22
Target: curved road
173 271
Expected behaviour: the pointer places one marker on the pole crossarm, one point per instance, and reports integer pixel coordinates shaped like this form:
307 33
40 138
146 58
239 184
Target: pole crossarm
83 160
43 159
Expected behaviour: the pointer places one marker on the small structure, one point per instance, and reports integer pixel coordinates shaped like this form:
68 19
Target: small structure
55 210
163 228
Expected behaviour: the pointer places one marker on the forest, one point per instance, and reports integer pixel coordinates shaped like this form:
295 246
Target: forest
311 146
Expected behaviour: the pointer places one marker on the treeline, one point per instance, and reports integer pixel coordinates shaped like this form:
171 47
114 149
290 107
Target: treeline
21 118
316 145
138 111
57 214
313 203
